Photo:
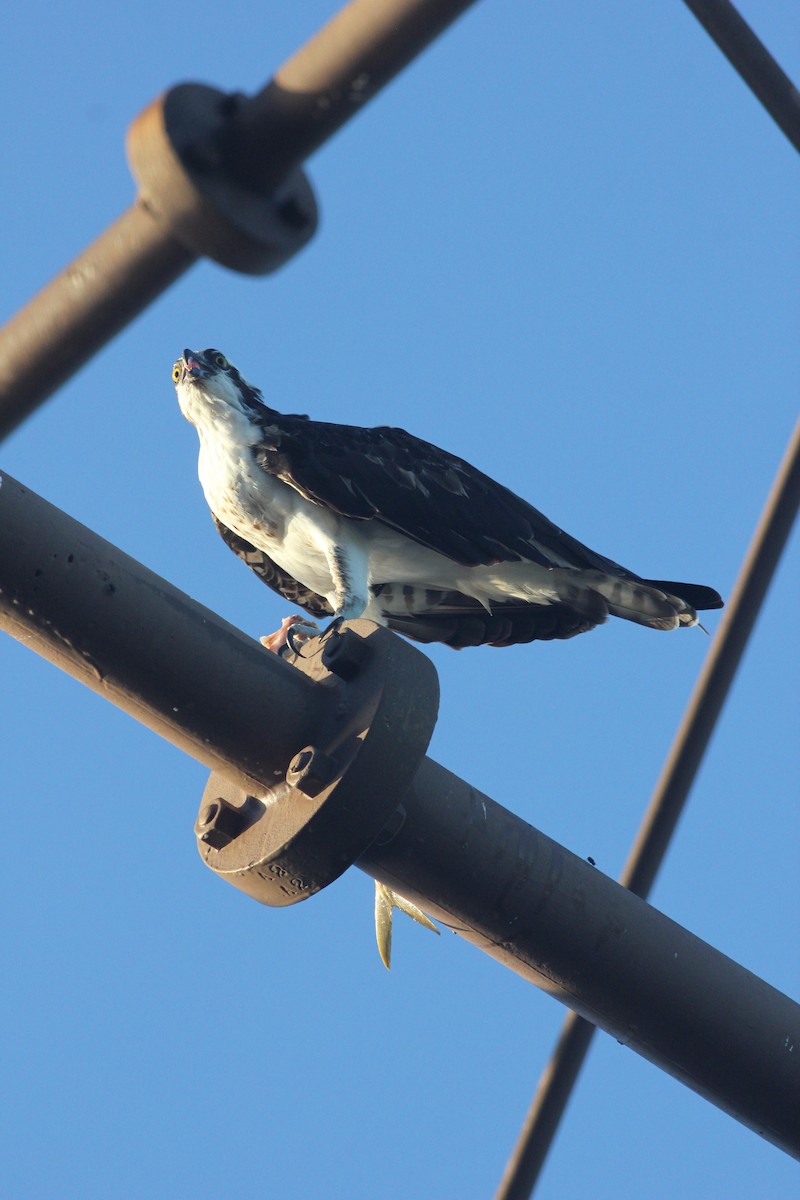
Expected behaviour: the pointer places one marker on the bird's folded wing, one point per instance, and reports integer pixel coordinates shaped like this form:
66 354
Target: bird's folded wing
272 575
430 496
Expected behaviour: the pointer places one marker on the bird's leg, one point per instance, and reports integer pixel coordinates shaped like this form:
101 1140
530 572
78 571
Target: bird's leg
349 570
349 598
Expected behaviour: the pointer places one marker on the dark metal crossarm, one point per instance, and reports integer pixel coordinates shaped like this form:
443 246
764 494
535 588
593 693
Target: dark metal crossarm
321 765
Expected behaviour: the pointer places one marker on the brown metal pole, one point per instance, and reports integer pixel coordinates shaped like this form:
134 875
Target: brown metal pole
330 79
48 340
218 176
147 647
506 887
590 943
667 803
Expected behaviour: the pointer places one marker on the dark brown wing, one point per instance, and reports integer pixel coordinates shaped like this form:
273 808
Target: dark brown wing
430 496
272 575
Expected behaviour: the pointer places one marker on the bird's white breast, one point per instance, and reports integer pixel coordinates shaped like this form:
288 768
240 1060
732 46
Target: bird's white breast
302 537
259 507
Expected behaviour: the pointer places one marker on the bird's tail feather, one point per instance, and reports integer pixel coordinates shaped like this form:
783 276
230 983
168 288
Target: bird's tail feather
695 594
523 602
648 602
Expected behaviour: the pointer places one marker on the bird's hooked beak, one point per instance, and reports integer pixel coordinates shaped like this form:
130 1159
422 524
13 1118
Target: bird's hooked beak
193 366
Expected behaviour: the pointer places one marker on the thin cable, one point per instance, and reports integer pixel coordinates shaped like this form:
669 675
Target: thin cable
678 774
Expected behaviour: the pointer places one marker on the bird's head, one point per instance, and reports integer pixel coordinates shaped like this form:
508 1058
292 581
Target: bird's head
205 381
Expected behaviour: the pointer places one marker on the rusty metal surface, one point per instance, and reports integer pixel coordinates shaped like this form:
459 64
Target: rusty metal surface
329 80
174 151
129 265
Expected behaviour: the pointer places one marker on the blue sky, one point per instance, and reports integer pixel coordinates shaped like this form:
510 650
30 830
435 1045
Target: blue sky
564 244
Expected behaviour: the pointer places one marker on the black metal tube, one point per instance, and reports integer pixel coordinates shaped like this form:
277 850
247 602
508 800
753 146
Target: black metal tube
750 57
597 948
146 646
773 88
712 687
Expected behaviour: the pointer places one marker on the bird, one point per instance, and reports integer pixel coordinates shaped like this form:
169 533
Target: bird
349 522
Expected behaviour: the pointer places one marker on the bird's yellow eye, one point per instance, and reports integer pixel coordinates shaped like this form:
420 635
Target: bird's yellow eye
221 361
176 372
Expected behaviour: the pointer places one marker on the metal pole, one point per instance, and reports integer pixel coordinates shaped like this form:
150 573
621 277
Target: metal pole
330 79
147 647
753 61
546 1109
217 176
504 886
92 299
593 945
667 803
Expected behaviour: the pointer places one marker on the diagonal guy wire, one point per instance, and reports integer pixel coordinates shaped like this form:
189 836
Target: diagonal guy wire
754 63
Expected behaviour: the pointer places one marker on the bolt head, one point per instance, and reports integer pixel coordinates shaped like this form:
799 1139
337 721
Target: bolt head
345 653
311 770
219 823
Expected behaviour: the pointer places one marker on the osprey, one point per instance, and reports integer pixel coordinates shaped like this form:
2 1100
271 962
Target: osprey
348 522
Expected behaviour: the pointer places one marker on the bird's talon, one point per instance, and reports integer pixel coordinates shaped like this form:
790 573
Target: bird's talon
287 638
296 638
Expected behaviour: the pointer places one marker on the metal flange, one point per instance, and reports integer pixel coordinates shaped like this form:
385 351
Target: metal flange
381 703
176 151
